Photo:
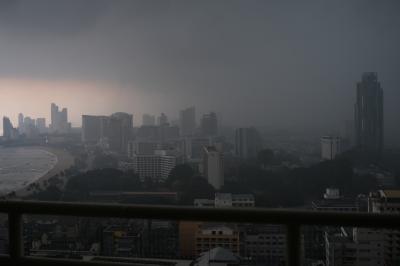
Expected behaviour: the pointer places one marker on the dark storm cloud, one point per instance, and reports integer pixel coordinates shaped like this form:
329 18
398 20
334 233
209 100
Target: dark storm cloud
55 17
279 62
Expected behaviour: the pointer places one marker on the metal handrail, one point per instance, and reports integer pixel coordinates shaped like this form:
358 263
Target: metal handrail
293 219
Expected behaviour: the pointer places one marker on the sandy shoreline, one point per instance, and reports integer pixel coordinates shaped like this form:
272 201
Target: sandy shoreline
64 161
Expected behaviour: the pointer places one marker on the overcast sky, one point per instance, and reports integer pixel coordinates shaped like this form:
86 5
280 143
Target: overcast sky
268 63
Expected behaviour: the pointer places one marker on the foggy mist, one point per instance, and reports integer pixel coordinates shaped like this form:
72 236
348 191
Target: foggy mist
262 63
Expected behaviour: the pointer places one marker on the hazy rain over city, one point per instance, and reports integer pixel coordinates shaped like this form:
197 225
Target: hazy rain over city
192 133
265 63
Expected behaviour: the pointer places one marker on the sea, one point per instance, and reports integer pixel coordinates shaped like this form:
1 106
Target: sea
20 166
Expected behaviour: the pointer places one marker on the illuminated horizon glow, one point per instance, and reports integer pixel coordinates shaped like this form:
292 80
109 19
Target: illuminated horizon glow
33 98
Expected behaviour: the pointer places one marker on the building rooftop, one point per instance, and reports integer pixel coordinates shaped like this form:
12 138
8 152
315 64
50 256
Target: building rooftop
335 203
133 193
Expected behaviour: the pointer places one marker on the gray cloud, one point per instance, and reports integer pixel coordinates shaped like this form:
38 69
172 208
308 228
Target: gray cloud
54 17
256 62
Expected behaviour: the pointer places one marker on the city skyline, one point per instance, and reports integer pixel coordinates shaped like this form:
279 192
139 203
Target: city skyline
192 133
186 118
142 57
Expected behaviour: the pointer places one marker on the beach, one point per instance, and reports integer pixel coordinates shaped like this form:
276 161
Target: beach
64 161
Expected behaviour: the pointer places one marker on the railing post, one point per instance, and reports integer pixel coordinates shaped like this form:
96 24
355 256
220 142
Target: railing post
15 236
293 245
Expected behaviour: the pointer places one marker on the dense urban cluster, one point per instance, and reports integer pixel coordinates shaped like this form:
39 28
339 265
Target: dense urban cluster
204 164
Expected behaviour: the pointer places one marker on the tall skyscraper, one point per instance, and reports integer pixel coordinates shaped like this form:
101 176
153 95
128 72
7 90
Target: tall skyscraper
54 116
7 129
93 128
369 113
59 120
187 121
162 120
21 123
30 129
148 120
209 124
120 131
41 125
349 130
115 130
247 142
213 166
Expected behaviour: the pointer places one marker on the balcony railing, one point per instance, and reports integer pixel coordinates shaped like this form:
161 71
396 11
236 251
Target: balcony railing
292 219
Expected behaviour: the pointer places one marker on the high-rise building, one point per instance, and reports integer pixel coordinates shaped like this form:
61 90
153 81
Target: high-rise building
369 113
247 142
120 131
349 131
209 124
167 132
41 125
193 147
59 120
93 128
54 116
28 121
21 123
147 133
8 129
30 129
162 120
187 121
116 130
213 166
148 120
142 147
330 147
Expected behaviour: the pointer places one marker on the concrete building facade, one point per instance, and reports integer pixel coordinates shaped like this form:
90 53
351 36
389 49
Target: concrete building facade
213 166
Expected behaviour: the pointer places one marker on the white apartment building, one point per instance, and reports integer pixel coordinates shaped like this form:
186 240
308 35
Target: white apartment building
156 166
234 200
226 200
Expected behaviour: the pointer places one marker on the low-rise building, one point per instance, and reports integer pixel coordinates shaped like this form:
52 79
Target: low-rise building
226 200
234 200
210 236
